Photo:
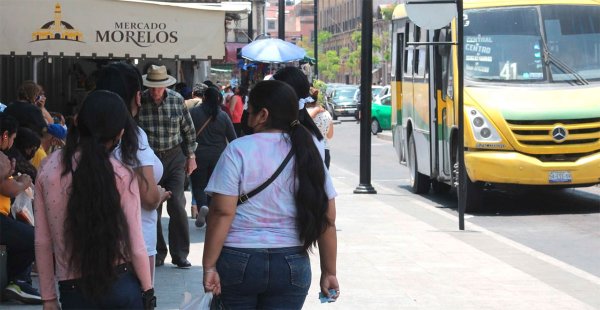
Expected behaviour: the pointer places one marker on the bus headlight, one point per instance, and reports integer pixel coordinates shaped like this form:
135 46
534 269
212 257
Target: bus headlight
482 127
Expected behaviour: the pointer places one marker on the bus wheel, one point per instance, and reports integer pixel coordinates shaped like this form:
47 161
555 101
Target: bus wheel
440 187
419 182
375 128
471 191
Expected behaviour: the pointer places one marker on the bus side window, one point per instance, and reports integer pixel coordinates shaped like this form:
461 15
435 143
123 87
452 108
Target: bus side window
399 63
409 51
421 60
447 74
450 76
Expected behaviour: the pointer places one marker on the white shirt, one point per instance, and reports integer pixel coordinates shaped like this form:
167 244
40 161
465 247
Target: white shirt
266 220
147 158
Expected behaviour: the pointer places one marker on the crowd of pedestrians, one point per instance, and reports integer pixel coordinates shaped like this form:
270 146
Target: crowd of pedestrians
256 162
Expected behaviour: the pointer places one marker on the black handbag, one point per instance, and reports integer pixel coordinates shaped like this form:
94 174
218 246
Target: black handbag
244 197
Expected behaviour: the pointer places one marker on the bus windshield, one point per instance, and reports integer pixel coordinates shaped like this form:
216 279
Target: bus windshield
509 44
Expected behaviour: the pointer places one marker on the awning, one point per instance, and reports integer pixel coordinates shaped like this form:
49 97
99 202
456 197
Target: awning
114 28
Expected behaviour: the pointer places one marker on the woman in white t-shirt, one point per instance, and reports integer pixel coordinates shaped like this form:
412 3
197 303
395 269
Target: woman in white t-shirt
324 122
255 253
125 80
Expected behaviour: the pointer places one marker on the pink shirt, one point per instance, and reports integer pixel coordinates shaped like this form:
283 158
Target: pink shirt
238 109
51 197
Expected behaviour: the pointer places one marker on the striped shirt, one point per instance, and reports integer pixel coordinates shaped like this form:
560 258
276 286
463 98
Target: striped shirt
167 124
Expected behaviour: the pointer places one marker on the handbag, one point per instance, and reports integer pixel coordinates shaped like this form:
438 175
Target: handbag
244 197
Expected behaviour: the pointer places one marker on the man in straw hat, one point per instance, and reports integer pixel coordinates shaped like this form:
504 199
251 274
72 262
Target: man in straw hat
172 136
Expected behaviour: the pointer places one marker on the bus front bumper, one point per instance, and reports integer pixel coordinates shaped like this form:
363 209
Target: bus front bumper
517 168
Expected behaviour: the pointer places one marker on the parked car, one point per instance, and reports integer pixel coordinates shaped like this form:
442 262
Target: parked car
387 90
381 114
328 104
341 101
377 92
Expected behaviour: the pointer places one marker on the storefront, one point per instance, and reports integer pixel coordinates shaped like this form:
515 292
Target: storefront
61 44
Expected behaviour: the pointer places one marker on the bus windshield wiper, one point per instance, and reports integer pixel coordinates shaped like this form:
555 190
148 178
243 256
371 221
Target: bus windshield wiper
549 58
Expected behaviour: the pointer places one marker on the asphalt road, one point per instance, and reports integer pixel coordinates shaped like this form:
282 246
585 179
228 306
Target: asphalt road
563 224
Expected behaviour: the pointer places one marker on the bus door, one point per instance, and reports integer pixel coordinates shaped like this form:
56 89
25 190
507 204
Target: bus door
421 101
397 73
440 103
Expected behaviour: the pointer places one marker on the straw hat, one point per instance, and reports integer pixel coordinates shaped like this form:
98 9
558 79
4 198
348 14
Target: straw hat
157 77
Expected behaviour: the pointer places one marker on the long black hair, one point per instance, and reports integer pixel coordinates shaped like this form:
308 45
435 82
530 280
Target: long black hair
299 82
211 102
126 81
8 123
96 230
26 144
311 199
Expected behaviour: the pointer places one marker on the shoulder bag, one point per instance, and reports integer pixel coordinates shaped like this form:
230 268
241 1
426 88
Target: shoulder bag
202 128
244 197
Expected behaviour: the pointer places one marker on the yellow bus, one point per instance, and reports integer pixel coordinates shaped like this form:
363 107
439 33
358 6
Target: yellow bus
531 97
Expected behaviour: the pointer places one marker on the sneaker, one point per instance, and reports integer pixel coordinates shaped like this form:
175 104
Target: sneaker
201 217
23 292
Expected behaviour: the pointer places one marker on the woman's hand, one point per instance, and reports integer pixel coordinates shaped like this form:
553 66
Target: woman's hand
328 282
25 180
211 281
164 194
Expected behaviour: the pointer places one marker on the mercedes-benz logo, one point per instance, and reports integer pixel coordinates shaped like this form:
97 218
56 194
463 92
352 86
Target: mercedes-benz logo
559 134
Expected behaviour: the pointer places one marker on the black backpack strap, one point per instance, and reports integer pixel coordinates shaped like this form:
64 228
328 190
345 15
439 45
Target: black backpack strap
244 197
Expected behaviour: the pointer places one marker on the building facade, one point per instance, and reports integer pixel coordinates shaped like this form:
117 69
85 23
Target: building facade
342 18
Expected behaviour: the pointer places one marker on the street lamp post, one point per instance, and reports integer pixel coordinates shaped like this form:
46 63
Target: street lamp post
315 33
281 19
366 77
462 203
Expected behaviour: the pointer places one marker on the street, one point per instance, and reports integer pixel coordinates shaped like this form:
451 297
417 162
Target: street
564 224
397 250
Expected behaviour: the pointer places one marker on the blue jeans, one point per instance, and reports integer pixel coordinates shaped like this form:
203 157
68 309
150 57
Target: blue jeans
276 278
126 293
18 238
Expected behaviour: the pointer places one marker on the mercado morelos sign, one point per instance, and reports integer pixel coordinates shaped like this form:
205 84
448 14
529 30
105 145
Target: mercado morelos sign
110 28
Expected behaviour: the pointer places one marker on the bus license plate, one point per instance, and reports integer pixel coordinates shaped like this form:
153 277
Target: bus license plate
560 177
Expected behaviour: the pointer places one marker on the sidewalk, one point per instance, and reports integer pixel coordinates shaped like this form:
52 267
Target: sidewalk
388 259
396 252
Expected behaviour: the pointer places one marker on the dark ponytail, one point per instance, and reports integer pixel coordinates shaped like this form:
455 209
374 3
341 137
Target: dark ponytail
299 82
96 230
126 81
211 102
310 197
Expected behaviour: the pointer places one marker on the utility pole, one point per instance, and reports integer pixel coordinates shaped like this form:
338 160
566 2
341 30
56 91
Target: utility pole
315 34
366 77
281 19
259 8
462 203
250 25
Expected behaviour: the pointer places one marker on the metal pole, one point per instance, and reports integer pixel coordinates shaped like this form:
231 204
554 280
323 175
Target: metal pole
461 115
281 19
315 33
366 61
250 24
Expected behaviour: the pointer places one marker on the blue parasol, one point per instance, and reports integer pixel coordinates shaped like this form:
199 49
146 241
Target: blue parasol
272 50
